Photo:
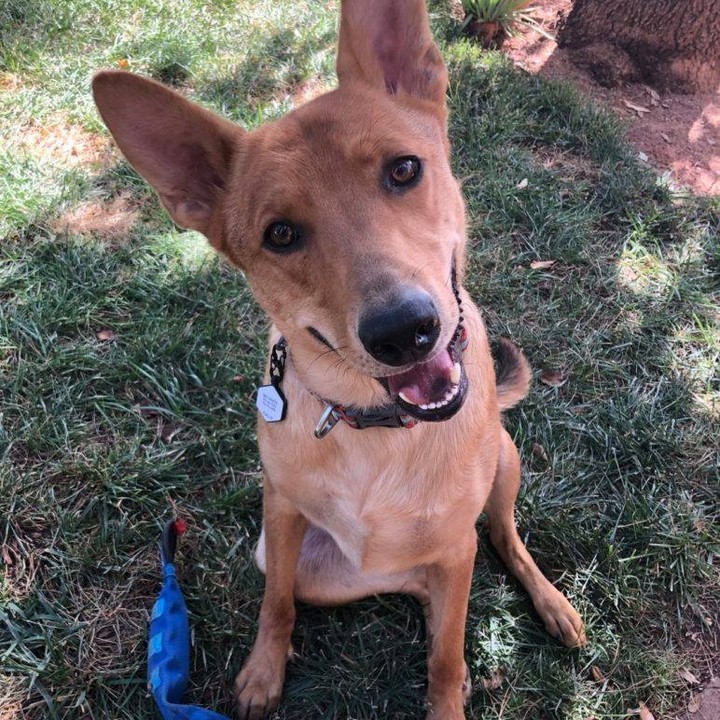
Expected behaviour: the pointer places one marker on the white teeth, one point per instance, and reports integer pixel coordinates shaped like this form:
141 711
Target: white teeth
455 374
449 395
452 391
404 399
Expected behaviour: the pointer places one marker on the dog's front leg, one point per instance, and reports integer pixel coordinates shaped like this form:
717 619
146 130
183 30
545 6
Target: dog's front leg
258 686
448 586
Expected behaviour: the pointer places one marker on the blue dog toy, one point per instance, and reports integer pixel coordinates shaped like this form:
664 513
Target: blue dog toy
169 647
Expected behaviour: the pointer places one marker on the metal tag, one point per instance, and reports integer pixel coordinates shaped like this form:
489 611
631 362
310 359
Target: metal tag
271 403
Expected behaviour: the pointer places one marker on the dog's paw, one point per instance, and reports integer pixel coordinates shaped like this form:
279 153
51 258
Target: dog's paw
258 687
452 710
444 700
562 620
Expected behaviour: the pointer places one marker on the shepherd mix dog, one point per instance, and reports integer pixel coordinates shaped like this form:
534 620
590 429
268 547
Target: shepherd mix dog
350 228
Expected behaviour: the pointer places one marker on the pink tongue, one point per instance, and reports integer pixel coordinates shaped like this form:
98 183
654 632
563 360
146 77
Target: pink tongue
424 383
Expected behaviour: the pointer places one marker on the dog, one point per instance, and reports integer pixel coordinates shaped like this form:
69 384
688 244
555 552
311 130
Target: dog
380 430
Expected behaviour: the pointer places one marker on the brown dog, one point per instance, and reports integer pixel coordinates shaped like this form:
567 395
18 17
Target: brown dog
350 227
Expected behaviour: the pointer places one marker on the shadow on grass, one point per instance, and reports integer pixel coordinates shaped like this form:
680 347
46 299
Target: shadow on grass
270 72
99 439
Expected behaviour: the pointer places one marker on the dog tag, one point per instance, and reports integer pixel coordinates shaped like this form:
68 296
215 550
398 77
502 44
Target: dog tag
271 403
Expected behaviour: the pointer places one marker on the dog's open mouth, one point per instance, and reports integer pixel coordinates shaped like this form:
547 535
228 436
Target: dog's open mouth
435 390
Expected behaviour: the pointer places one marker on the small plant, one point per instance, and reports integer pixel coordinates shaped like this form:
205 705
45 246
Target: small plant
491 21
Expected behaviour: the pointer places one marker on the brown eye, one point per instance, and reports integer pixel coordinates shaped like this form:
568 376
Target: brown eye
404 171
280 235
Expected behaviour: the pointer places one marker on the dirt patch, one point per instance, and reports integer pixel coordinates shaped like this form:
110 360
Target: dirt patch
10 82
705 705
677 135
110 220
12 694
64 145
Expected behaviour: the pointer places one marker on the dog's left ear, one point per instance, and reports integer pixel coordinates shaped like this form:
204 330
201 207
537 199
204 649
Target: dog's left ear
387 43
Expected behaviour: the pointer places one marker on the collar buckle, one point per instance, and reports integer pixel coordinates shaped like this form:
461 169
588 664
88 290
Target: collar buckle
328 420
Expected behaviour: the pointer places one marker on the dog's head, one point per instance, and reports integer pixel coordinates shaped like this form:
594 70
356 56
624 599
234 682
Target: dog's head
344 214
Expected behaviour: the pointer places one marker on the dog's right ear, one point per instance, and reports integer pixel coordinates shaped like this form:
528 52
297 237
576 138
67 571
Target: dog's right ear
181 149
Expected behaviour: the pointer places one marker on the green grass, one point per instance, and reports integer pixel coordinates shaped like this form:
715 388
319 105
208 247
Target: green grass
101 439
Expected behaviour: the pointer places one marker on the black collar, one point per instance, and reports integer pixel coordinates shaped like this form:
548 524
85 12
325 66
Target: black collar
272 403
388 416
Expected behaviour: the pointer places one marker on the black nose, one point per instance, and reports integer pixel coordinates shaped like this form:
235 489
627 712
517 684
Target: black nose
405 330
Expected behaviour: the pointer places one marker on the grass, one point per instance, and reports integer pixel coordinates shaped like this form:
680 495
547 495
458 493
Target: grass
103 435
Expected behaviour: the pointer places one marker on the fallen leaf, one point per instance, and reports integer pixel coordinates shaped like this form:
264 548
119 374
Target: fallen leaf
643 156
105 335
644 712
639 109
167 431
494 681
6 556
522 184
685 674
238 378
597 674
553 378
542 264
666 138
539 452
123 63
653 94
695 703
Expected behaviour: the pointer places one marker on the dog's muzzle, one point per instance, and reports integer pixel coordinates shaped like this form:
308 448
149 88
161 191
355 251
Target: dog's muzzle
434 390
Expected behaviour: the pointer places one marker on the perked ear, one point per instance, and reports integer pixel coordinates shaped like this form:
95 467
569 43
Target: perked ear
387 43
181 149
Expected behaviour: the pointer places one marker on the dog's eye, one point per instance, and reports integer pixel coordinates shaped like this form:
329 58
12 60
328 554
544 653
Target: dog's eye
280 235
404 171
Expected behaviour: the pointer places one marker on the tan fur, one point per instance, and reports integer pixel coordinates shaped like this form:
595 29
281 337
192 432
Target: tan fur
378 510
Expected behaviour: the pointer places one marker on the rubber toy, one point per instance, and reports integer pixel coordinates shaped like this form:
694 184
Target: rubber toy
169 646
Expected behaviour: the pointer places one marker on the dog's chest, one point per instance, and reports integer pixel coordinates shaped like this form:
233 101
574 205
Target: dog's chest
389 503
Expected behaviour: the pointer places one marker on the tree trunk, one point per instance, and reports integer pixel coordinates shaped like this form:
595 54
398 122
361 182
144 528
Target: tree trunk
671 44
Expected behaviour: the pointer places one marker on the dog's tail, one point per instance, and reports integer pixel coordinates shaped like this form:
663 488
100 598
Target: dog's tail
513 373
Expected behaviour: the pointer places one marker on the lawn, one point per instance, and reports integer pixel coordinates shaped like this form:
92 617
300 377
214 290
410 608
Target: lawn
129 355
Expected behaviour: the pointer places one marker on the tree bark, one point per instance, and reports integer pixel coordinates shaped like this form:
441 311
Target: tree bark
671 44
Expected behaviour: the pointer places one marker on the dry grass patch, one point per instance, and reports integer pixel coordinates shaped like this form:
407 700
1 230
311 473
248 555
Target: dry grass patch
115 628
12 694
64 145
19 568
556 159
108 221
10 83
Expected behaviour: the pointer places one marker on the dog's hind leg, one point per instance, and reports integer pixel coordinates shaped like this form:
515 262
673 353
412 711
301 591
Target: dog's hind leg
560 618
324 576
